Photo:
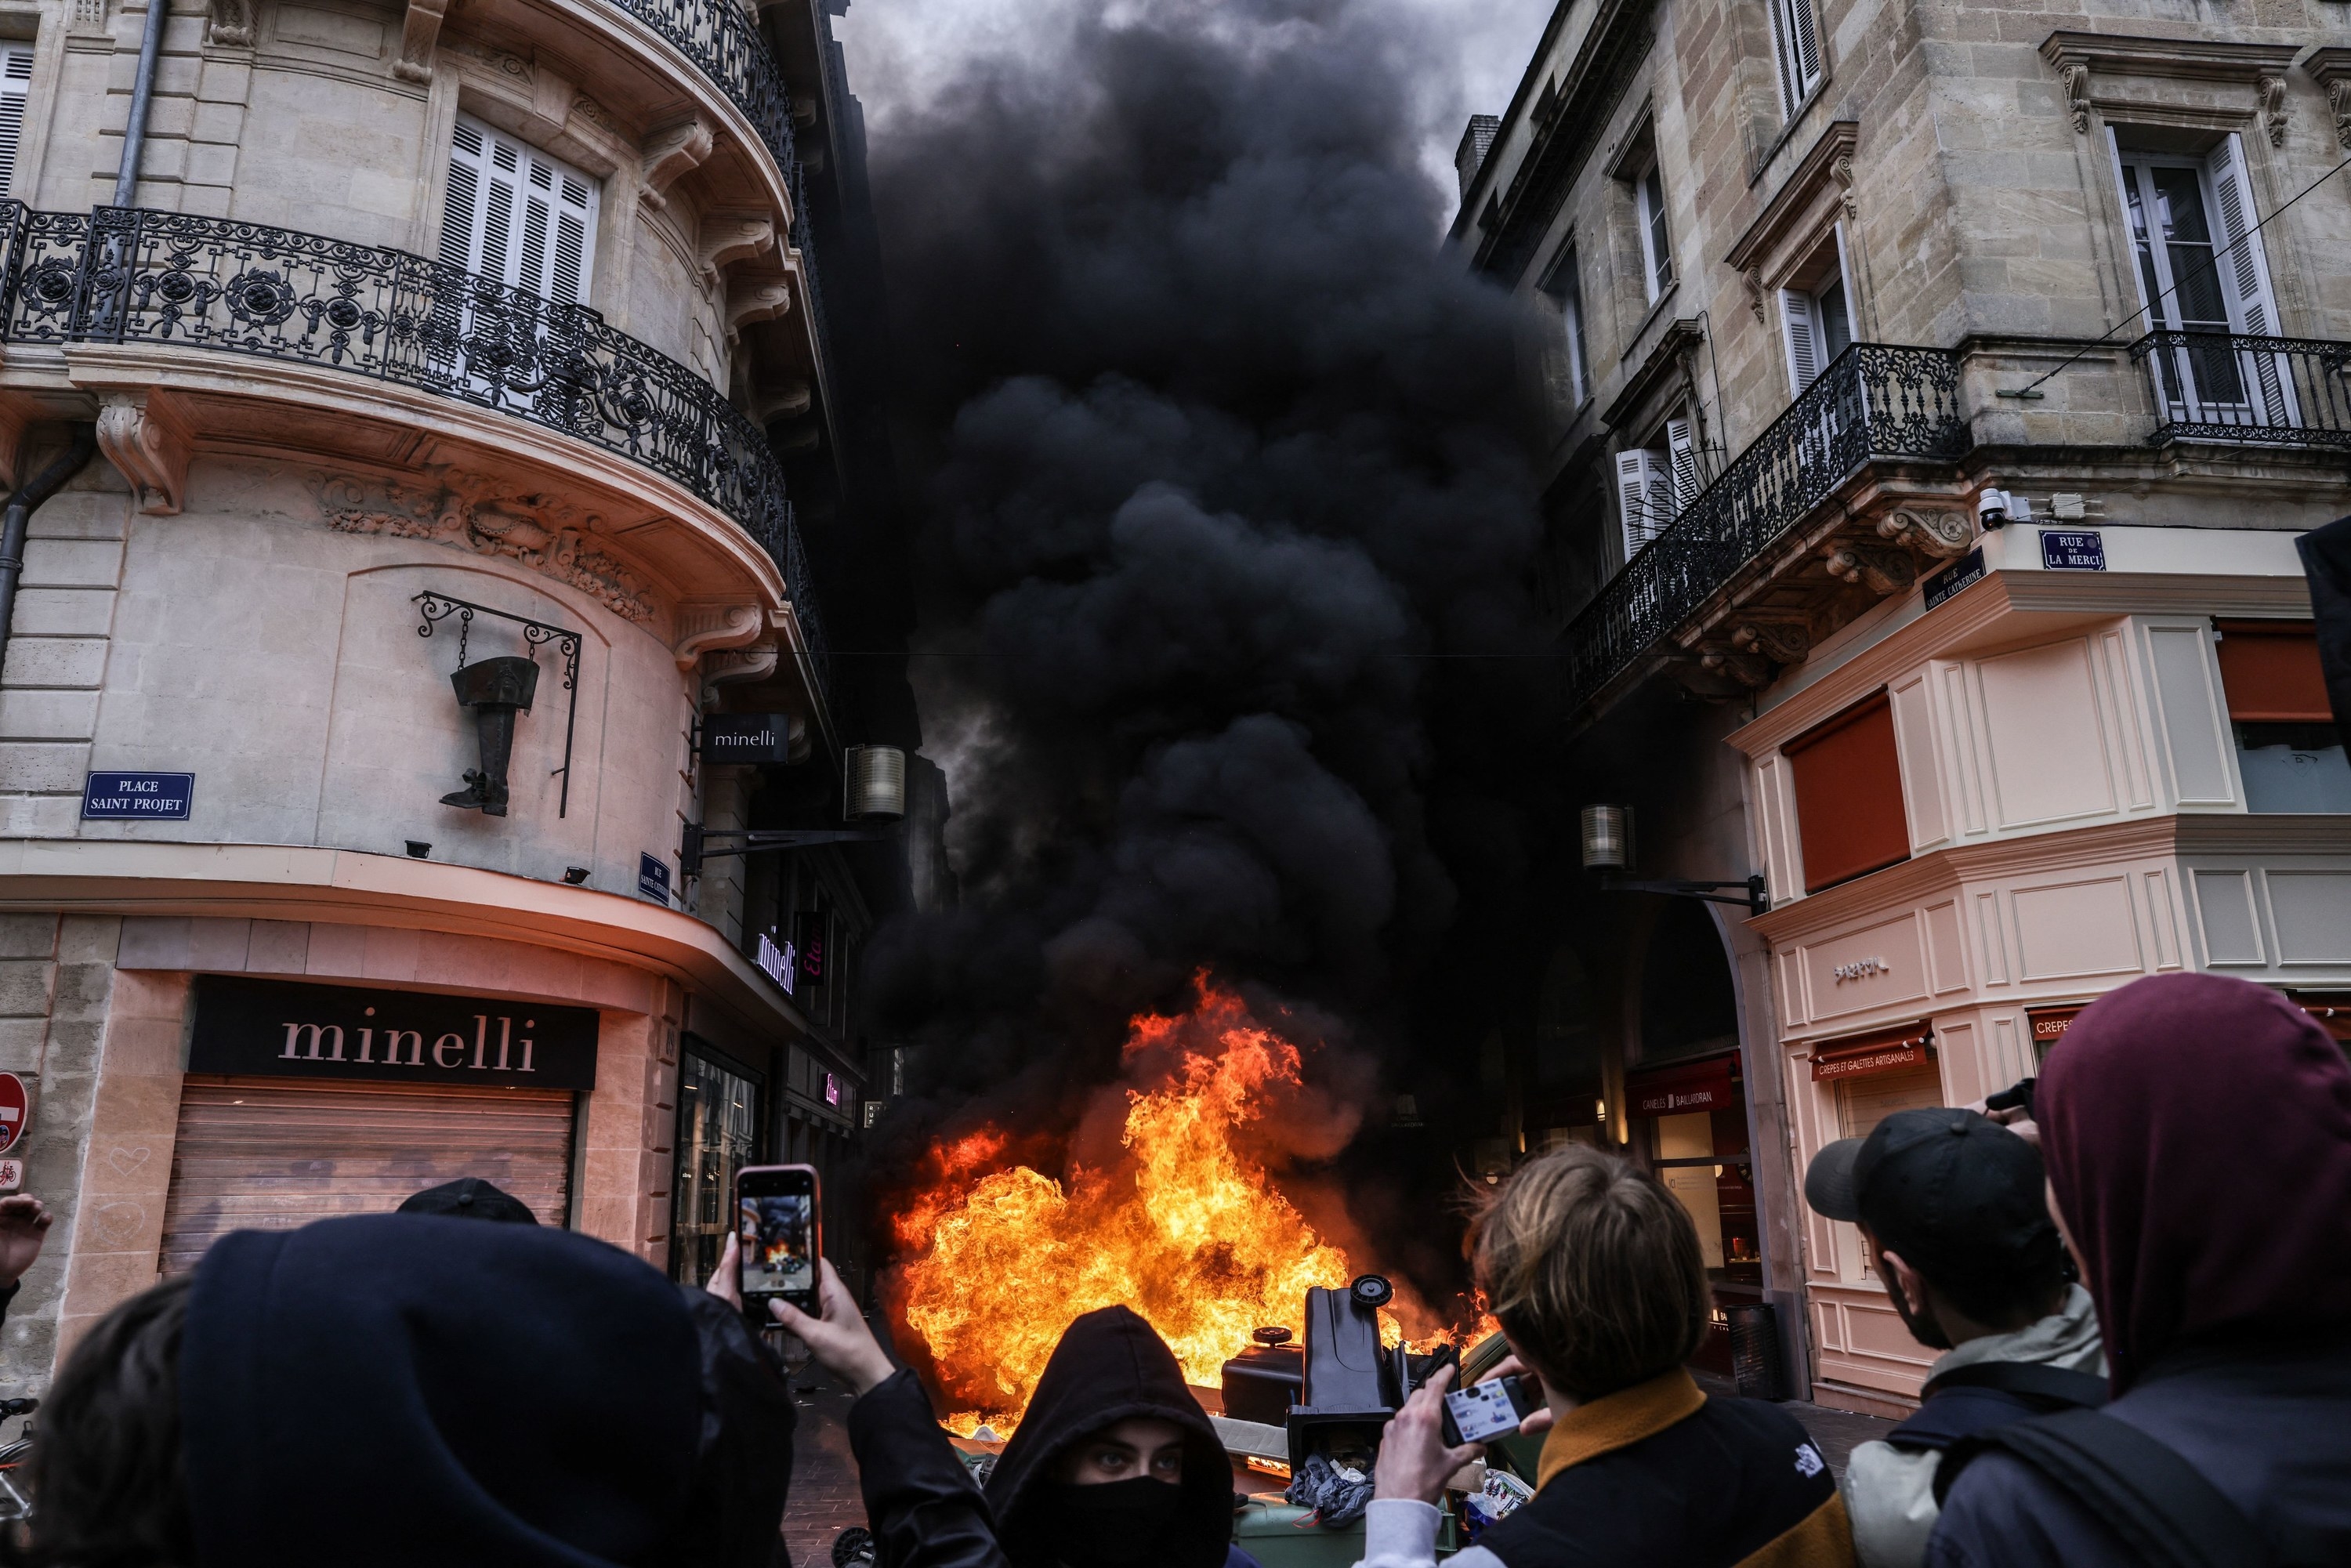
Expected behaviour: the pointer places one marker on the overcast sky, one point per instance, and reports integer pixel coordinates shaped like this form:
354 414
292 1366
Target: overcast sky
901 52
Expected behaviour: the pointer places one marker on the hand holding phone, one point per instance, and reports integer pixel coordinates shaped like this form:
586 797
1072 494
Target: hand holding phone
778 1237
1490 1409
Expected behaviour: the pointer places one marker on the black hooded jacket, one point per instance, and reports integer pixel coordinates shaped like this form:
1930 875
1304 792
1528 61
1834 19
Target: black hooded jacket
1109 1366
387 1390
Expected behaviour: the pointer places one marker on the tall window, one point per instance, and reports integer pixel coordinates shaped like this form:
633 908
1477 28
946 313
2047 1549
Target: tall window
717 1134
15 82
1570 375
1796 50
1816 321
1656 254
517 215
1655 482
2201 273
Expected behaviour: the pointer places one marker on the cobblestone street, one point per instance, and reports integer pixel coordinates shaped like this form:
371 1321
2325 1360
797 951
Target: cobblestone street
824 1481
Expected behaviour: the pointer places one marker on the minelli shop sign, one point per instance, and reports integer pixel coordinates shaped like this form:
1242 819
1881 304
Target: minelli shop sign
251 1027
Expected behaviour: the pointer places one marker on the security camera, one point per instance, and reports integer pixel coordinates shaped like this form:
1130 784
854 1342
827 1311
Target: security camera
1992 508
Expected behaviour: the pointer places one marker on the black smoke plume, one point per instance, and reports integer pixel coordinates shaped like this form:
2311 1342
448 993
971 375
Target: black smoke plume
1223 516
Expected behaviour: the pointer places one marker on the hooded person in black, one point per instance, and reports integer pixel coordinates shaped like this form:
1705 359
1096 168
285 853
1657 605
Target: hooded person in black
1115 1465
385 1390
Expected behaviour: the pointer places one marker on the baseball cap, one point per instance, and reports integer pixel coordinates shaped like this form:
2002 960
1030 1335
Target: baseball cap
1958 1196
470 1198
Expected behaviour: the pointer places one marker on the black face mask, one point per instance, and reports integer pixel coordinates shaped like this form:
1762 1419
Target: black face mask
1118 1524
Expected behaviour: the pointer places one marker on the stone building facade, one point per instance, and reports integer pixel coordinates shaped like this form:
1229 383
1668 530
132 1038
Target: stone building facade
1929 396
425 342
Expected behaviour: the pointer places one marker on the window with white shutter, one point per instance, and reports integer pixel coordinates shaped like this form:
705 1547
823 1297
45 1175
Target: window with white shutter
1644 496
517 215
2201 273
1797 50
1681 456
15 82
1816 323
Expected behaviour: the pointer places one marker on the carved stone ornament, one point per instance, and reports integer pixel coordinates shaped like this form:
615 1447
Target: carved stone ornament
596 114
704 628
152 451
498 60
1755 293
232 23
1841 171
1752 671
1937 532
484 516
1784 642
725 666
1882 570
730 237
2272 88
761 301
418 33
2076 78
2339 98
667 154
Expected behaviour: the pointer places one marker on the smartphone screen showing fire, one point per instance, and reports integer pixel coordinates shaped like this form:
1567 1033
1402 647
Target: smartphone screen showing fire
776 1258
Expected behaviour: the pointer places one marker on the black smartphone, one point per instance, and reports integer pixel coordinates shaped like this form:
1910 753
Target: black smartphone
778 1237
2017 1095
1490 1409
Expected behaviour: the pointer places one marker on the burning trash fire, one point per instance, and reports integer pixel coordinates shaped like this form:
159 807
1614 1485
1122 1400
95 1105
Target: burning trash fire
1185 1227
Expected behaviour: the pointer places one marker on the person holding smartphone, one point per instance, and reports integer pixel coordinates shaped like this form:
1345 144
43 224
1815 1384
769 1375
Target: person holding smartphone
1594 1272
1114 1464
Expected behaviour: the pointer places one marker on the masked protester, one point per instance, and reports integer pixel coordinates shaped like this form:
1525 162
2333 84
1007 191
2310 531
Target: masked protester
2197 1135
381 1391
1115 1465
1951 1209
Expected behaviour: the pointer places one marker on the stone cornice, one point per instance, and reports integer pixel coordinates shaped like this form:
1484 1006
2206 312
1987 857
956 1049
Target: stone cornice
1594 85
1796 193
2195 60
352 887
1663 363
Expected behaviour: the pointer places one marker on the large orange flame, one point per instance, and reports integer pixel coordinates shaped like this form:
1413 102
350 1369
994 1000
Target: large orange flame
1185 1228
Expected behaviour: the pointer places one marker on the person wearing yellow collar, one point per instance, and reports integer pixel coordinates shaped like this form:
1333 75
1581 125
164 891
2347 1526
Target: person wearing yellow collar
1595 1273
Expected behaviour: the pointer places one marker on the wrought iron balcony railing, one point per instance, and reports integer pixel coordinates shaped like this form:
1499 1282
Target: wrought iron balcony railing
721 39
1875 402
2247 390
125 275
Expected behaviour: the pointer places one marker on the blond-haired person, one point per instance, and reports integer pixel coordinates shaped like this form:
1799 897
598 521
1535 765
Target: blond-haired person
1594 1272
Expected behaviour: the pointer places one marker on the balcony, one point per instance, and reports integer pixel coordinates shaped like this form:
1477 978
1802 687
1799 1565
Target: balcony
723 41
129 277
2243 391
1876 404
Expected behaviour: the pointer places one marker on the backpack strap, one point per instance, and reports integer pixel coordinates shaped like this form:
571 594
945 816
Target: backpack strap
2053 1386
2155 1502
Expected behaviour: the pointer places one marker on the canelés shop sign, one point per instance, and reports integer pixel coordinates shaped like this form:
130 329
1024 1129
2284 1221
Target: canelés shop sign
285 1031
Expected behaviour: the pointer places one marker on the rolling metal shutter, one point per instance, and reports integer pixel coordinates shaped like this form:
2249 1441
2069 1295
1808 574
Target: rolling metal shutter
273 1154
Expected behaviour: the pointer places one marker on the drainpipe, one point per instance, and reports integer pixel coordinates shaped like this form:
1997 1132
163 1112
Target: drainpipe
143 95
17 519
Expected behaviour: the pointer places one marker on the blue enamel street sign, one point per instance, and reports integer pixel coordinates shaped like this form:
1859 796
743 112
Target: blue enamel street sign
2072 550
137 797
1964 572
653 879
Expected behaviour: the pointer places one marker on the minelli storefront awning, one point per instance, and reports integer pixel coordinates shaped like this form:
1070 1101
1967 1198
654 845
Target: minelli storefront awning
1880 1051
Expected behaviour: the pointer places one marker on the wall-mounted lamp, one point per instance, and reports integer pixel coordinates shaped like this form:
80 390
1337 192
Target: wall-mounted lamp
1607 835
419 849
575 874
873 783
497 690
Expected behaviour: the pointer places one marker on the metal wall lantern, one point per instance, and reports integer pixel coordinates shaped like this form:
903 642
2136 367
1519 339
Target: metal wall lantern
1607 841
497 690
